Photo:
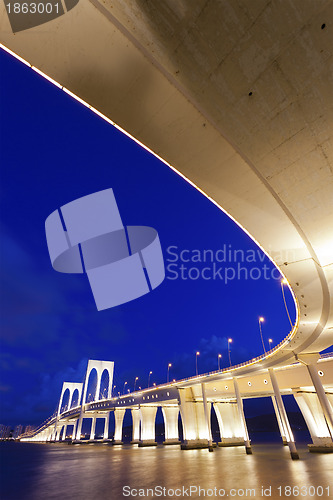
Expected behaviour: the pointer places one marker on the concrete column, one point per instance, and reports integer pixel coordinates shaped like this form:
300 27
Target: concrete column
315 420
323 399
92 430
279 421
148 415
119 414
231 431
47 436
195 429
65 432
79 426
170 415
136 419
106 427
241 417
54 432
207 411
58 430
82 401
289 435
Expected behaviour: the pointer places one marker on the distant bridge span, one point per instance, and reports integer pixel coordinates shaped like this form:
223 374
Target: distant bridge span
195 398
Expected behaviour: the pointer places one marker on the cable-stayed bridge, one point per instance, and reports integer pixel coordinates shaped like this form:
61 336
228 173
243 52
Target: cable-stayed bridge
310 381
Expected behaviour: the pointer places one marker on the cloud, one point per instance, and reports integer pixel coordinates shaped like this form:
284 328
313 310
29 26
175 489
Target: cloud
40 400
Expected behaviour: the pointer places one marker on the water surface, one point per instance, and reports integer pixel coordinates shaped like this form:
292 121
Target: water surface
98 471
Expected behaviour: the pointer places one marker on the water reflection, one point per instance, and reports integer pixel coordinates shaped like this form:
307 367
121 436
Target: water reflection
60 471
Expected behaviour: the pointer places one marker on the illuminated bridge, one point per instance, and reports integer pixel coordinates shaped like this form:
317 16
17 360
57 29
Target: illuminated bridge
194 399
237 98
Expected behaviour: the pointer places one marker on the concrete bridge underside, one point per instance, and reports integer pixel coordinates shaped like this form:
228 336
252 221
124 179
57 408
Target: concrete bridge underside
238 98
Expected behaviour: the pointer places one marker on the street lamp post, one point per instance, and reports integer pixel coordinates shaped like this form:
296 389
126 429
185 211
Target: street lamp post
285 282
219 361
229 342
124 387
136 378
261 320
270 341
149 378
169 366
196 362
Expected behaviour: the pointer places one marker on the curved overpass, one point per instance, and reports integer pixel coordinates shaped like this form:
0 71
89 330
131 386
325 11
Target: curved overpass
237 97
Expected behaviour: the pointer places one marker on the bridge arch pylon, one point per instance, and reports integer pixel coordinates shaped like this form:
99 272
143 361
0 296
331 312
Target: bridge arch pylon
71 387
100 367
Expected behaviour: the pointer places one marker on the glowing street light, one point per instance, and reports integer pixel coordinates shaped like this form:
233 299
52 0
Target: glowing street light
229 342
149 378
136 378
285 282
124 387
261 320
169 366
196 362
219 356
270 341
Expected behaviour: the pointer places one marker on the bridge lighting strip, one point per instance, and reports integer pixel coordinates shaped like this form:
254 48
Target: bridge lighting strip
118 127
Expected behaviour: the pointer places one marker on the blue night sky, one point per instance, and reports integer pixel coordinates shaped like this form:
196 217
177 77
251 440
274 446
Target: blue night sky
54 150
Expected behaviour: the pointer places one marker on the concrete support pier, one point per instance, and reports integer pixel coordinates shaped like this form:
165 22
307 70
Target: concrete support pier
242 420
207 412
119 414
315 420
196 434
319 418
106 427
229 424
170 415
148 415
283 432
283 415
136 422
92 429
